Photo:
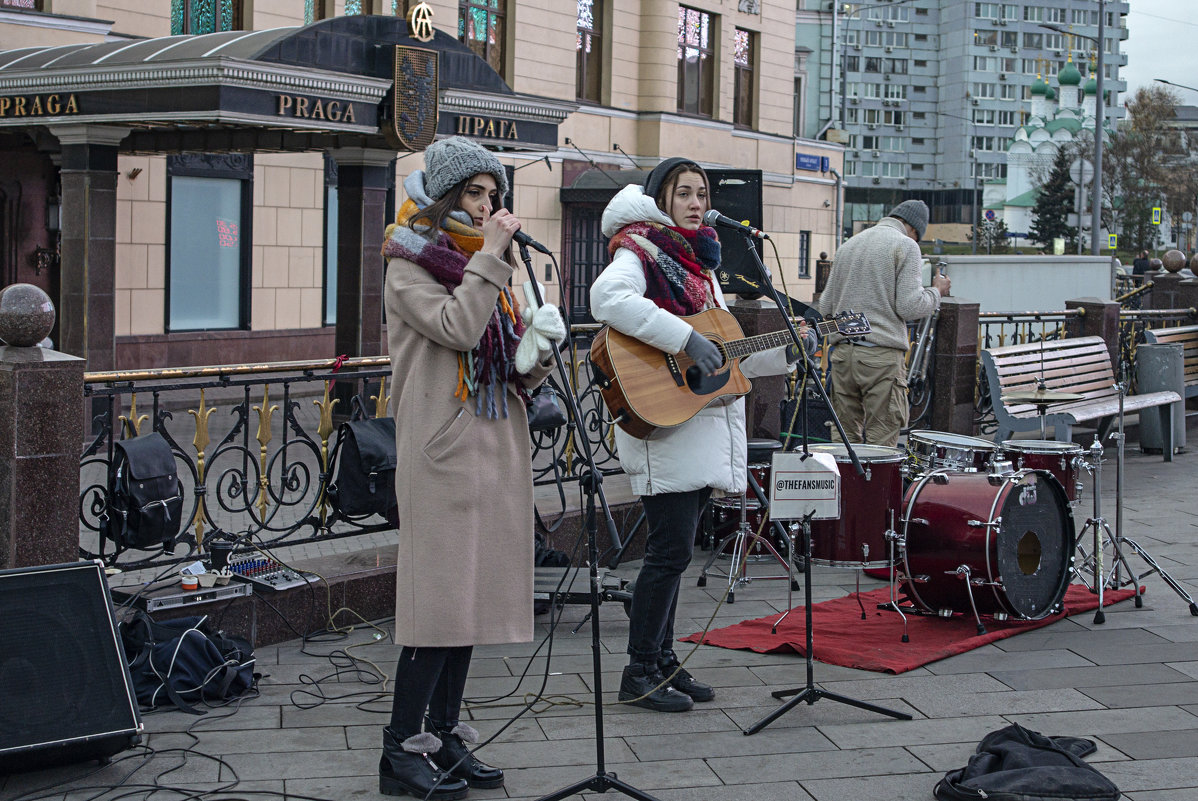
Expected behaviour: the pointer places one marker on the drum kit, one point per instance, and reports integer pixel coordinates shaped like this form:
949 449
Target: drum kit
957 524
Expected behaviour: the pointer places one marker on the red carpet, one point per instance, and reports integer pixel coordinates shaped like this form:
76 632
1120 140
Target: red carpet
842 638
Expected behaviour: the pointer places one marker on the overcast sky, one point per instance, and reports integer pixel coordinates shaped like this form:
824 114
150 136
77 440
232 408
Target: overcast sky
1162 35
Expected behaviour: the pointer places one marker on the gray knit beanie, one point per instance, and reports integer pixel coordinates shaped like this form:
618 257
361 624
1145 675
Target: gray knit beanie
452 160
914 213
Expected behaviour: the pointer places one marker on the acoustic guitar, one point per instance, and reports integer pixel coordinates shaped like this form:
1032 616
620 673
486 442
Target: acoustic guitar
645 389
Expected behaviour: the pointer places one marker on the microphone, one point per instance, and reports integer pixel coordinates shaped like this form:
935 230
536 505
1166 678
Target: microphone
714 218
527 241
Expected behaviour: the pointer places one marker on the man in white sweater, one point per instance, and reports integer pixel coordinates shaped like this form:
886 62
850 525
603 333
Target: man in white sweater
877 273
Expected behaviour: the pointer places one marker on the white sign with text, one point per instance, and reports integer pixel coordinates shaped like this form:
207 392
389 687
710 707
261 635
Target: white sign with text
799 487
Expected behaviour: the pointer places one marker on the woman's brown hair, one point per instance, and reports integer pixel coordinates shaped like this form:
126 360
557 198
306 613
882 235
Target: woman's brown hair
670 182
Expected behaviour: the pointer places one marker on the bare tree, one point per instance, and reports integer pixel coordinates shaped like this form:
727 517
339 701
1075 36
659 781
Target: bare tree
1140 167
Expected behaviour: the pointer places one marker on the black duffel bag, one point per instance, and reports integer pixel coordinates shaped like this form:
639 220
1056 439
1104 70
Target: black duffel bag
183 663
364 468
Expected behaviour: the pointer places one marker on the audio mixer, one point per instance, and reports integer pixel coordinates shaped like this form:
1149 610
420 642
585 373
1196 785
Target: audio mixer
267 574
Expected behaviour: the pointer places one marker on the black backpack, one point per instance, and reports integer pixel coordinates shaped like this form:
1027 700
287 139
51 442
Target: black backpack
182 663
145 501
364 468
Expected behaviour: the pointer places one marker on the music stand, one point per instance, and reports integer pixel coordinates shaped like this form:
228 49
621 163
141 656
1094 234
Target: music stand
809 693
591 482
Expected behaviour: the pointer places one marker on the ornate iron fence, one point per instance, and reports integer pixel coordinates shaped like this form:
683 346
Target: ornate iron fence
273 426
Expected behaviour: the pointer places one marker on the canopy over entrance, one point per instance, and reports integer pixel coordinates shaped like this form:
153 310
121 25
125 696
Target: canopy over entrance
331 84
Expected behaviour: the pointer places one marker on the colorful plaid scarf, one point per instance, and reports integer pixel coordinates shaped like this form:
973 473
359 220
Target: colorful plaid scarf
677 262
491 363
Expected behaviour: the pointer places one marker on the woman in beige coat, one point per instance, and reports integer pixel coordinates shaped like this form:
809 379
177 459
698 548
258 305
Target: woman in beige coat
464 478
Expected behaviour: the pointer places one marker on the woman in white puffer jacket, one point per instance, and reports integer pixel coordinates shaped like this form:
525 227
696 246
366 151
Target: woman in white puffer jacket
662 270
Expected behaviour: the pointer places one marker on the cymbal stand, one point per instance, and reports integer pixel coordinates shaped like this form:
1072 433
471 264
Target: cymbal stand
1135 580
810 693
1101 532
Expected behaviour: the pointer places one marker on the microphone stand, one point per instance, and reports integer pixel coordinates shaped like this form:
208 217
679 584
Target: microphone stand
808 693
591 482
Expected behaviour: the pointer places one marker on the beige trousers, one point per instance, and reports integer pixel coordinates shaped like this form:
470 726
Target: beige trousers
869 392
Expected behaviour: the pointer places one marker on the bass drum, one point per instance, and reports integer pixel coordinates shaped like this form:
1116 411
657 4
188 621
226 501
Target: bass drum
1014 532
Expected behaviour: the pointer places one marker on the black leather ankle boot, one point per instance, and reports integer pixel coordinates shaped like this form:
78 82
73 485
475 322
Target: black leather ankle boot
455 756
405 769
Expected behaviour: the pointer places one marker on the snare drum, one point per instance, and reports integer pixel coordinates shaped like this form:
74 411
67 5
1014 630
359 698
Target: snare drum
858 538
1055 457
1011 536
935 450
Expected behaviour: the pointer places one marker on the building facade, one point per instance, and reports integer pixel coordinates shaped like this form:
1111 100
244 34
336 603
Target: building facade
927 94
229 233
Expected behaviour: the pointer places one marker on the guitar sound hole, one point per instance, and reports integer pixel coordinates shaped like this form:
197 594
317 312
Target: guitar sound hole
704 384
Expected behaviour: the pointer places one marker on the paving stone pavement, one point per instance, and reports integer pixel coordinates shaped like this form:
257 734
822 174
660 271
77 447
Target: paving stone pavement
1130 684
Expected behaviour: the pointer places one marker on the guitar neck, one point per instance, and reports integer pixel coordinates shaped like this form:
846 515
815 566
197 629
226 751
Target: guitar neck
738 348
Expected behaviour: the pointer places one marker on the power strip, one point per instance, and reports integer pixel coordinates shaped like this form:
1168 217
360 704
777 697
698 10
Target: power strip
267 574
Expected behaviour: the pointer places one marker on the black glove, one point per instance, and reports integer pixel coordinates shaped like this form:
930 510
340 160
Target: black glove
809 343
706 355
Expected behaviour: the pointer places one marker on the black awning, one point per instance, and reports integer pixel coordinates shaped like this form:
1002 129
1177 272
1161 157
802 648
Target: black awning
600 186
328 84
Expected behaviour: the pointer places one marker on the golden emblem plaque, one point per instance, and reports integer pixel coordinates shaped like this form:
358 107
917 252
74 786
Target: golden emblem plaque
420 22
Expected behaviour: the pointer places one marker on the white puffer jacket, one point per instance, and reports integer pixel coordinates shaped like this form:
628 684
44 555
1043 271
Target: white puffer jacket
709 450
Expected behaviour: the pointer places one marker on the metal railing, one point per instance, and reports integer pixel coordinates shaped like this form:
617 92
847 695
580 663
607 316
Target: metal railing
253 448
1132 324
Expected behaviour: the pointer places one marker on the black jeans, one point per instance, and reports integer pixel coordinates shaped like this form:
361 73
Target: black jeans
430 680
673 519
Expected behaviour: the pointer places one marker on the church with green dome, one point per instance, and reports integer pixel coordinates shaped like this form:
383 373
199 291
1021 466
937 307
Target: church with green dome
1058 118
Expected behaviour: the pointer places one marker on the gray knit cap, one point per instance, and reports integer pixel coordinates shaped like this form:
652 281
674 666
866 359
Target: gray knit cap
914 213
452 160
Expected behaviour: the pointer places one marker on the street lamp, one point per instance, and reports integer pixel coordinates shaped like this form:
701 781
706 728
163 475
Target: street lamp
1178 85
1096 209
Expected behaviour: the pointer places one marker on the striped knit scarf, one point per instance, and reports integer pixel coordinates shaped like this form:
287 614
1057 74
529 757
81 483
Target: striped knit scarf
490 365
677 262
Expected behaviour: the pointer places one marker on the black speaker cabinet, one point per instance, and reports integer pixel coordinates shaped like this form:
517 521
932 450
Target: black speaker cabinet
65 692
737 194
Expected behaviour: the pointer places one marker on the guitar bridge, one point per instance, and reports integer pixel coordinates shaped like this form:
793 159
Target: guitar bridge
672 363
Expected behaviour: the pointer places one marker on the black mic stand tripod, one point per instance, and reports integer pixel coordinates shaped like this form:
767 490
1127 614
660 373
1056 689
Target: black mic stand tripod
809 693
591 482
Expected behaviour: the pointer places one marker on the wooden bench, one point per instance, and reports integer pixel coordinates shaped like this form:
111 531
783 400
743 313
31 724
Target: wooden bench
1187 337
1082 366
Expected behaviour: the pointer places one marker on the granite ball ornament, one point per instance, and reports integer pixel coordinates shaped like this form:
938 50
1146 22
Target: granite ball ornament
1173 261
26 315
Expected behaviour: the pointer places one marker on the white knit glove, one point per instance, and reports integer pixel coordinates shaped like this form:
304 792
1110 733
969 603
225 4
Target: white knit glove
544 328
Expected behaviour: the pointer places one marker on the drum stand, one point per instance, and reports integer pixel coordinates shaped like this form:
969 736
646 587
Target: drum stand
1098 523
745 538
809 693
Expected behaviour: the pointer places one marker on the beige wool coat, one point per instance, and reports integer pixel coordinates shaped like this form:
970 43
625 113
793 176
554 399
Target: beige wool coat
463 482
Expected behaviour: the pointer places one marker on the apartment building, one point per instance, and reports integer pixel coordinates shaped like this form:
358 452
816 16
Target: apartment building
927 94
207 182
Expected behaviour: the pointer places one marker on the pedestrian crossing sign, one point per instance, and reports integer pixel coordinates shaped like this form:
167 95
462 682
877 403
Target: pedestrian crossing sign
1156 215
1113 241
